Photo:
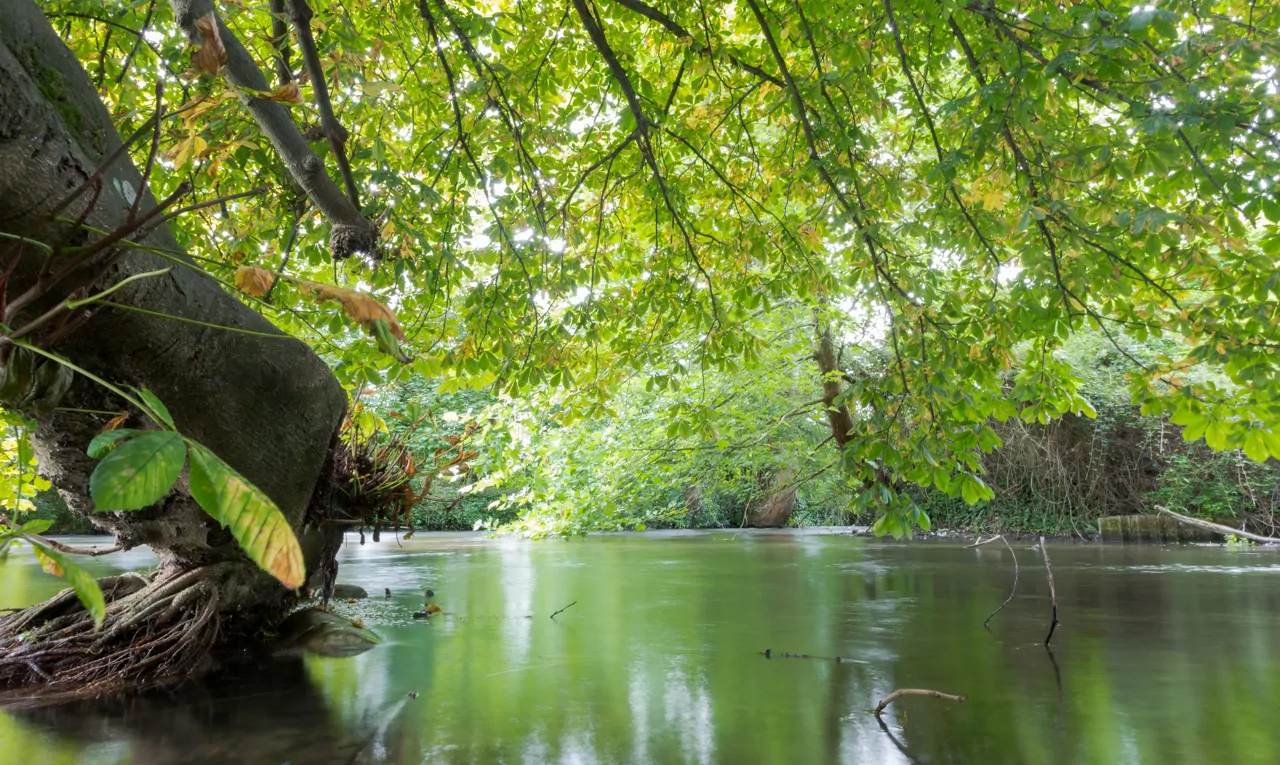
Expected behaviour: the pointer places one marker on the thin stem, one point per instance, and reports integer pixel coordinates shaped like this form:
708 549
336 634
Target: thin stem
134 401
184 320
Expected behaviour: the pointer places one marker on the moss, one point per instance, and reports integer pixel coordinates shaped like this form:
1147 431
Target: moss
53 86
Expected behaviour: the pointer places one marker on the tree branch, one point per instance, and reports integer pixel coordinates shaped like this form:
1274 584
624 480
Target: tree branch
350 231
280 41
301 14
596 33
887 700
672 26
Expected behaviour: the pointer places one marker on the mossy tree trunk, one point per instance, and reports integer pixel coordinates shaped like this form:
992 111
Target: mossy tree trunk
267 405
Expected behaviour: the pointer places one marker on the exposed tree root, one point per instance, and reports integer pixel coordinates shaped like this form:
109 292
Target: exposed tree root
157 626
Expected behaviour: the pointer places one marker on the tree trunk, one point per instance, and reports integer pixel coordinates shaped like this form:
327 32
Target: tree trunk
774 509
838 417
268 406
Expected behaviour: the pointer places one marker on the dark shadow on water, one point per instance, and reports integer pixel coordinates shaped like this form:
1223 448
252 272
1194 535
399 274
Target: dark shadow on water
902 749
268 713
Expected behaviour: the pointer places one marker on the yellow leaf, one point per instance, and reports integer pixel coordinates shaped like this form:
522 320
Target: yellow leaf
196 108
180 154
252 518
253 281
48 564
378 88
994 199
212 57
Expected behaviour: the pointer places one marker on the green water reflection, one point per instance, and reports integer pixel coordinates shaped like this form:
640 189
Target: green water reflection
1165 655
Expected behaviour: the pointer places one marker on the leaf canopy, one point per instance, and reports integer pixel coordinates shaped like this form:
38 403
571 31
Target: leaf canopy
572 195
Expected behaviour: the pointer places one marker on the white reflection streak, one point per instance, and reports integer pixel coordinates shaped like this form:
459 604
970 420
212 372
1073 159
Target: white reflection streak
688 710
579 747
518 582
638 698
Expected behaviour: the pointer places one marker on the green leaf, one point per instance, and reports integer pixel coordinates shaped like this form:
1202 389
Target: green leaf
1255 445
137 473
1216 435
103 443
35 526
923 521
1272 438
253 519
156 406
1195 429
85 586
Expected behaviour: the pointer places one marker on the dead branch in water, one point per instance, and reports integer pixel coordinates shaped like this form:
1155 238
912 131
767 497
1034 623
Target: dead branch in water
982 541
566 608
1012 590
1217 527
887 700
1053 592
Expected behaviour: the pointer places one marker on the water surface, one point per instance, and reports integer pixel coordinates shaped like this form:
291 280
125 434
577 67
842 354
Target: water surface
1164 655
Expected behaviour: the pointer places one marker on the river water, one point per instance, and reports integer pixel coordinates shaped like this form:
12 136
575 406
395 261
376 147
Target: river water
1164 655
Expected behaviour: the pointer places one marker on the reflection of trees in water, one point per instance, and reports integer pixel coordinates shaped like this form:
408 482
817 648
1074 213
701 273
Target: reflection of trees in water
270 713
660 662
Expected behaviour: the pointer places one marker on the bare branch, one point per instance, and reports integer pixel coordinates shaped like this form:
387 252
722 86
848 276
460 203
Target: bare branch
887 700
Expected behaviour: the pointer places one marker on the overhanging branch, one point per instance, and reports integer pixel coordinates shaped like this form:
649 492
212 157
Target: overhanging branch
350 231
300 13
596 33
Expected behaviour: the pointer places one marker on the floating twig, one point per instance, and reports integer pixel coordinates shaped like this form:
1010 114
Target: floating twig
1013 589
1217 527
887 700
1053 592
566 608
982 541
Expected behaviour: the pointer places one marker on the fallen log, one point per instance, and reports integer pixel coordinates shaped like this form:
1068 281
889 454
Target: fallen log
1217 527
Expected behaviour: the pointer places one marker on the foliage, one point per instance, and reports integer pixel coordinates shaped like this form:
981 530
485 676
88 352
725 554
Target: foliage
139 467
20 483
436 428
578 202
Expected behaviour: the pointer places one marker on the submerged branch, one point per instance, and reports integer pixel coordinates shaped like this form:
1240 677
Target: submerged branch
887 700
1053 591
1012 590
566 608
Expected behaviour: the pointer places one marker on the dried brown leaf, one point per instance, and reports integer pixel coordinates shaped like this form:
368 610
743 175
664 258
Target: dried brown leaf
114 423
211 58
253 281
360 306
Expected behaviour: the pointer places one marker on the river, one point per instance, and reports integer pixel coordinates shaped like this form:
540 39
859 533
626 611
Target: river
1165 655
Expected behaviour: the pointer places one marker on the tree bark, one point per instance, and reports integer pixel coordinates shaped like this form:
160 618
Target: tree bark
774 509
838 416
268 406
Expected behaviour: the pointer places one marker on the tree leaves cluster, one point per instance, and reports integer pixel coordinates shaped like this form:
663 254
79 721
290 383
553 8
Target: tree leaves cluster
573 195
